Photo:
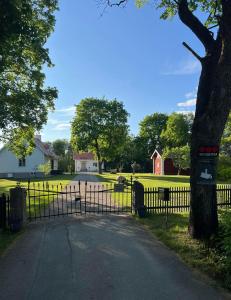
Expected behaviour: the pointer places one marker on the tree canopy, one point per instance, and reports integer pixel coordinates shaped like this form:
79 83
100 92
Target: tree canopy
60 146
100 126
150 130
24 99
177 132
213 30
171 7
180 156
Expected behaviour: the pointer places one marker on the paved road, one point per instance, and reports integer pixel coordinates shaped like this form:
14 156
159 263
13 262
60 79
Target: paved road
95 257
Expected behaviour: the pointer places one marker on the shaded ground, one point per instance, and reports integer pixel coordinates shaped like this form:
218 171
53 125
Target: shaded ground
96 257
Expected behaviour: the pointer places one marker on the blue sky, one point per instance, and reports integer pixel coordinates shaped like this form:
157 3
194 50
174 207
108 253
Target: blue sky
128 54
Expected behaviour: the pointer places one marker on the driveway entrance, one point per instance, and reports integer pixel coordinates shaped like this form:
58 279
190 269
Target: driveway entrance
84 195
96 258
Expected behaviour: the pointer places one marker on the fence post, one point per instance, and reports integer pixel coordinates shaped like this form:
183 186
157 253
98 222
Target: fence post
138 198
17 208
3 212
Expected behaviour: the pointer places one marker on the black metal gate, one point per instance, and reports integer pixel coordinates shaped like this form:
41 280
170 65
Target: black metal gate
47 200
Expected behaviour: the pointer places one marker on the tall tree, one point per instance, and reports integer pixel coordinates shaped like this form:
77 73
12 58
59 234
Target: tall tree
63 149
60 147
180 157
24 100
177 131
100 126
213 96
150 130
226 139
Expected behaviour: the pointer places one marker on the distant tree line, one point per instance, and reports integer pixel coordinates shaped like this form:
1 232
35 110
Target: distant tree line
100 126
125 152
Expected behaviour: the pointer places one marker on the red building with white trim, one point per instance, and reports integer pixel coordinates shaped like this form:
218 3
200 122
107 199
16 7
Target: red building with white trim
165 166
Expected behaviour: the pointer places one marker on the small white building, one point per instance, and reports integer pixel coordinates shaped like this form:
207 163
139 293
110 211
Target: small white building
85 162
12 167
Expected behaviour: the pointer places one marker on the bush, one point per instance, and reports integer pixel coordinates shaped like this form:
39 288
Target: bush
45 168
121 179
224 168
224 245
224 174
56 172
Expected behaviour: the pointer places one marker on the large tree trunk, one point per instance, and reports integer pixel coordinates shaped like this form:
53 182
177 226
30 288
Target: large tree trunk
98 154
100 166
212 110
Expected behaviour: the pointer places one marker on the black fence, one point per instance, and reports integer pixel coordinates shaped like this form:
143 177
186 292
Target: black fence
179 199
46 201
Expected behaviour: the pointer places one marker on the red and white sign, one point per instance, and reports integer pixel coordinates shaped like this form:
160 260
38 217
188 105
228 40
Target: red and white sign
208 151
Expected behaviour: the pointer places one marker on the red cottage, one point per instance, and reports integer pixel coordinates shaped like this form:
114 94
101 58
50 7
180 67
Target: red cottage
165 166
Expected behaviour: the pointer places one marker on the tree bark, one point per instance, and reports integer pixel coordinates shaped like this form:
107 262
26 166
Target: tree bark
212 110
98 154
100 167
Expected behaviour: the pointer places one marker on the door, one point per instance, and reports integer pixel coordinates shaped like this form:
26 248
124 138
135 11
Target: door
83 166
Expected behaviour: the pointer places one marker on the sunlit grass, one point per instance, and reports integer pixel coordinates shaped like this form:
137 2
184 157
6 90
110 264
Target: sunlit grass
148 179
195 253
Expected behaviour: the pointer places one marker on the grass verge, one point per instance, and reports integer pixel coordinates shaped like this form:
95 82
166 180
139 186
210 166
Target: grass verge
211 261
6 239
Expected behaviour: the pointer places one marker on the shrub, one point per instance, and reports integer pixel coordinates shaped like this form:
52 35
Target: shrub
45 168
224 245
224 174
224 168
121 179
56 172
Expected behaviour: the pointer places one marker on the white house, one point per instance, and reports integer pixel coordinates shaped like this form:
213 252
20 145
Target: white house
85 162
11 166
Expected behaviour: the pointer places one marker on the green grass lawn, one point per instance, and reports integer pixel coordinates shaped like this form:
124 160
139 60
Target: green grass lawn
148 179
194 253
6 184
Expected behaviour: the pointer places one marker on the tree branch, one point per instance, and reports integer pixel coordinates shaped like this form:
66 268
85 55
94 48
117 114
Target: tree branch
188 18
116 3
192 51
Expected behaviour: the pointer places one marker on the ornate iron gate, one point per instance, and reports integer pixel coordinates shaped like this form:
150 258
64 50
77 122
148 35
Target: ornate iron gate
47 200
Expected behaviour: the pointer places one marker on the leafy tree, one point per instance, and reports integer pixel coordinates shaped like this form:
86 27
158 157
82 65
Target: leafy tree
150 130
213 30
177 131
21 142
100 126
63 149
226 138
24 100
60 147
140 155
180 156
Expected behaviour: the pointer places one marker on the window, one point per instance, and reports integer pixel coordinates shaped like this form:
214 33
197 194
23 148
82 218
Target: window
22 162
94 164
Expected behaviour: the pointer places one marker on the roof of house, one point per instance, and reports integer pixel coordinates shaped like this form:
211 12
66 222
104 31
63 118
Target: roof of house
45 148
157 151
84 156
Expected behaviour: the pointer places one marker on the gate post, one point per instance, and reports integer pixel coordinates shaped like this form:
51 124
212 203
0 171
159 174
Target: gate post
3 212
138 199
17 208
